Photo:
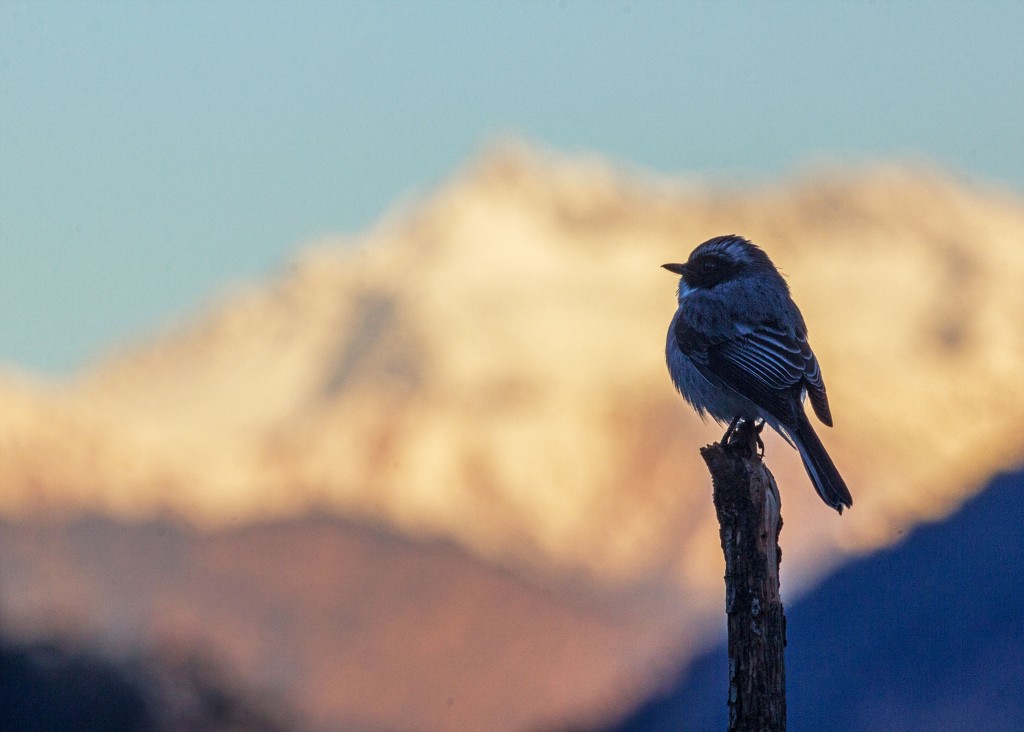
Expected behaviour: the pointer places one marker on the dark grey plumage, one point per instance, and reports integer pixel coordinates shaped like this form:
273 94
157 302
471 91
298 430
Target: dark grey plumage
737 349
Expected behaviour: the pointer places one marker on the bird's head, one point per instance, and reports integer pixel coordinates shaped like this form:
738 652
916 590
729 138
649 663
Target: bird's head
722 259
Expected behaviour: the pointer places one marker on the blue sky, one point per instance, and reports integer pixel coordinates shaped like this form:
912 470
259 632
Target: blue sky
151 152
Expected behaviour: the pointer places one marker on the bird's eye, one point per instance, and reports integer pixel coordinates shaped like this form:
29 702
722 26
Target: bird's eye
709 265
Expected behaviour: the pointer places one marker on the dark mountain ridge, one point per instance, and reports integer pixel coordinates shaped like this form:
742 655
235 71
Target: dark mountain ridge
925 635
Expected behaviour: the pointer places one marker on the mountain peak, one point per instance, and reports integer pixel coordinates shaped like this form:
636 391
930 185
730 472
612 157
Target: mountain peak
487 366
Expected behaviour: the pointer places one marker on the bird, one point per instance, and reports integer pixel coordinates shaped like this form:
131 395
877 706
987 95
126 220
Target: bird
737 350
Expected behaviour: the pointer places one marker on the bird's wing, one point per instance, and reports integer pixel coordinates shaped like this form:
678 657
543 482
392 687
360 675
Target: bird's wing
815 384
765 364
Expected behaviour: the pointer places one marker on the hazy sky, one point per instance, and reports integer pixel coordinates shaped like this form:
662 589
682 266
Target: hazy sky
150 152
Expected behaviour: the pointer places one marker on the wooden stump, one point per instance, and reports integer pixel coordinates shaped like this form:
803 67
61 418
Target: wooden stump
748 506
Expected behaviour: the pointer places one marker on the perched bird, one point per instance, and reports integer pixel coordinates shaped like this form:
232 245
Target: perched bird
737 349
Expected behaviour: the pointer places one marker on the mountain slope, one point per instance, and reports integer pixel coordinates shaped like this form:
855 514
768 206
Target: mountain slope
350 626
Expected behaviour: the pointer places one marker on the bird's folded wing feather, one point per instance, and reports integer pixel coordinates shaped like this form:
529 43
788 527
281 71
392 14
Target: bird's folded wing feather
764 364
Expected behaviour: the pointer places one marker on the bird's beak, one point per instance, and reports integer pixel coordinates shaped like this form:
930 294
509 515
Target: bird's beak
679 269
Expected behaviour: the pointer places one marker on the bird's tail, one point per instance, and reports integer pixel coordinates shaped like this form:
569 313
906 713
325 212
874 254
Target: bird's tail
820 468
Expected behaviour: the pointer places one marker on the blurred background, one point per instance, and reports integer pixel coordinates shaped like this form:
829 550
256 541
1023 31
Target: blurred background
332 383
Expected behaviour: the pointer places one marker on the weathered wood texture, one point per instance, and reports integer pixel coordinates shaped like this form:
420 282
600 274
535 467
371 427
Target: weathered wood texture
748 506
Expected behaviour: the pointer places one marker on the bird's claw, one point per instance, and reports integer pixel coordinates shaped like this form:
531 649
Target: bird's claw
757 438
745 433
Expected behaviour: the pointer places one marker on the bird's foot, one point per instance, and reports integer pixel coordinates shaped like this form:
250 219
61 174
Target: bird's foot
745 434
757 438
727 438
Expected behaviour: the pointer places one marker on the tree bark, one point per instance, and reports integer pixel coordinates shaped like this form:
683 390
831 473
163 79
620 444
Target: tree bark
748 506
